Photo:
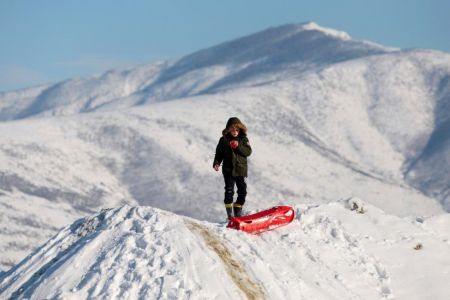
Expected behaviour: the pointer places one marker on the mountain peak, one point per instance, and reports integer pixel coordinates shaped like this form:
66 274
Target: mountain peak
285 44
328 31
272 51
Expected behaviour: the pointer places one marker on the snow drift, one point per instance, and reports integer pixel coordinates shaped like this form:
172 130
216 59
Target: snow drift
330 251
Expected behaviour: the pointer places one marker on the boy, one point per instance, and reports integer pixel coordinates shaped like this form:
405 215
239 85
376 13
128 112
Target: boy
233 149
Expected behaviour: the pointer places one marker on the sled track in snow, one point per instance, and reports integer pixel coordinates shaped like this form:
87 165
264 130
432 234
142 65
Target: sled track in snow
234 269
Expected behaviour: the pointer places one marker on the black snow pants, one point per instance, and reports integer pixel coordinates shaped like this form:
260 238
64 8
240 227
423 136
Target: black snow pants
241 185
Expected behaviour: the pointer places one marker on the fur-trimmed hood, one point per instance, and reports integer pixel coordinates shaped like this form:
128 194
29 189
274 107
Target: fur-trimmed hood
235 122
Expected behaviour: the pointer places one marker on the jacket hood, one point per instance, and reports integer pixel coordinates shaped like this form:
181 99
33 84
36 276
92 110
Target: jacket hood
235 122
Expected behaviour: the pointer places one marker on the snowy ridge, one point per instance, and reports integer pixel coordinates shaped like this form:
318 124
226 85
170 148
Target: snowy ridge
263 56
329 250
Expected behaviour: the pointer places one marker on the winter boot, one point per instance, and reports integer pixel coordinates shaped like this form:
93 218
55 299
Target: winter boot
229 208
237 208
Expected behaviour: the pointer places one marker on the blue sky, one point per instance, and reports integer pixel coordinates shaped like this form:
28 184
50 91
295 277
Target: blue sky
47 41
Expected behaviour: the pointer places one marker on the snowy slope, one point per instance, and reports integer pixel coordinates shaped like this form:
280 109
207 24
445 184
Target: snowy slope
328 252
77 95
260 57
329 118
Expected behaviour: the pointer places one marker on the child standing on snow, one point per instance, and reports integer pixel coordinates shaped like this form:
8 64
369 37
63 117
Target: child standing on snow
233 149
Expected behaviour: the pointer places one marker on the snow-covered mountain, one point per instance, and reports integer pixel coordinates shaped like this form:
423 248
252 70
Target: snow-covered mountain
329 118
328 252
254 59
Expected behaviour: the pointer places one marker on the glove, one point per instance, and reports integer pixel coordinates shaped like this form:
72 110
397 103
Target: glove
234 144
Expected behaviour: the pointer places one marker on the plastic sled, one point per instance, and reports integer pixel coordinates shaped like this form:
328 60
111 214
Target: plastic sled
265 220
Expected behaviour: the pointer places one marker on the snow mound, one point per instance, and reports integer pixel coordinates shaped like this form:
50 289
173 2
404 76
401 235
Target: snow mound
147 253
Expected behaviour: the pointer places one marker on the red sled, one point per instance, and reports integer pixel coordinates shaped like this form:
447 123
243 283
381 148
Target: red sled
264 220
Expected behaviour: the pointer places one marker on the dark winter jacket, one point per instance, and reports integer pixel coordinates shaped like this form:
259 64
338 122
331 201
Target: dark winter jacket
234 160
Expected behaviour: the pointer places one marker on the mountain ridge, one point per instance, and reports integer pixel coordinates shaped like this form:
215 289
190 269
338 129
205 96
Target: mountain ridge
268 51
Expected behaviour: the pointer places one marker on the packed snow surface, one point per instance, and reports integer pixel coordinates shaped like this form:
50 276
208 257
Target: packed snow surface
341 250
